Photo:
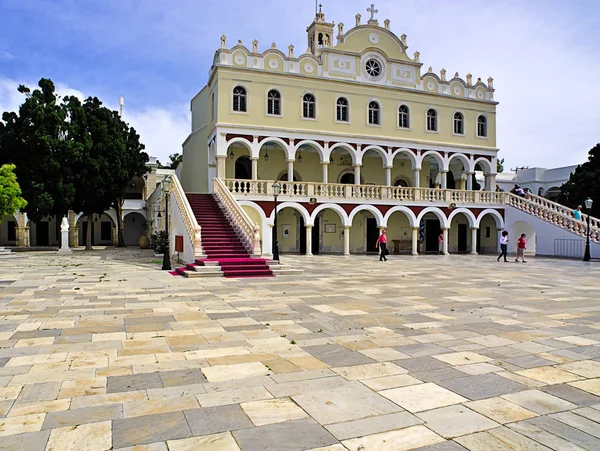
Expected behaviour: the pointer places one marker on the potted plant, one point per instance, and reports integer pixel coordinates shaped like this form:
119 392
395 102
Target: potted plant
144 242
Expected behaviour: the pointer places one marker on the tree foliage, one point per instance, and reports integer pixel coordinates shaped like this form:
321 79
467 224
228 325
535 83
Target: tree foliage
70 155
584 183
500 165
174 160
10 191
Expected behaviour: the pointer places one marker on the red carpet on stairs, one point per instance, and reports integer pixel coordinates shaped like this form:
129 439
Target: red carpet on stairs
220 242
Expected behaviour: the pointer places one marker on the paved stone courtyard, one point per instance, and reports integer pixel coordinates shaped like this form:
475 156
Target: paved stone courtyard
104 351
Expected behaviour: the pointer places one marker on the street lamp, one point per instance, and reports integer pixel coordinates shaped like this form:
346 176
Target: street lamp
167 190
276 191
588 206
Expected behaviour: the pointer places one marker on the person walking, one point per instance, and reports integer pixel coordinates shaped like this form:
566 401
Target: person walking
521 246
382 243
503 246
577 213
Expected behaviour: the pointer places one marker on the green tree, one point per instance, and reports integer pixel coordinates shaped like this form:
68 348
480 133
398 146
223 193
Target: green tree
584 183
35 140
10 191
175 159
500 165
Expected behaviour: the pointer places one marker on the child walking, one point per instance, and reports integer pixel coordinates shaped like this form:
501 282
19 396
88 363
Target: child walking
521 246
382 243
503 246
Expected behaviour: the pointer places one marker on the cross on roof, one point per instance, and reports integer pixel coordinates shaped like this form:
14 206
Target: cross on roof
320 7
373 11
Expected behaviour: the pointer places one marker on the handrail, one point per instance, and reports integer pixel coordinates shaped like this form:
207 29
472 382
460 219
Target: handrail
189 218
363 192
557 217
555 206
249 231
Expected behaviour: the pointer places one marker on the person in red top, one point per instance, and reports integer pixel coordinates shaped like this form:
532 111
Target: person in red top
521 246
382 243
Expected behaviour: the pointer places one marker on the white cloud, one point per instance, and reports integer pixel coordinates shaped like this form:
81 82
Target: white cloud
5 55
161 129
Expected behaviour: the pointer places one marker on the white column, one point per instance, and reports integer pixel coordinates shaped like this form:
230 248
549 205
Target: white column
221 166
474 240
324 171
290 176
254 168
267 240
388 176
469 181
417 177
492 182
64 235
445 244
415 241
309 239
357 174
346 240
444 179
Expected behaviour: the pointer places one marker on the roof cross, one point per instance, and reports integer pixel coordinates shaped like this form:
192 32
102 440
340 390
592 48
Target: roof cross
373 11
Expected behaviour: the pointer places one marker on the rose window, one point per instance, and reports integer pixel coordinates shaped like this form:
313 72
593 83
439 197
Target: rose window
373 68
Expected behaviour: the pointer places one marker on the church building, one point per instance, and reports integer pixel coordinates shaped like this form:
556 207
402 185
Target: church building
360 135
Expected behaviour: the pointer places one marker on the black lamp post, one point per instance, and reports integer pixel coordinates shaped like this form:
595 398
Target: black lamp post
166 257
588 206
276 191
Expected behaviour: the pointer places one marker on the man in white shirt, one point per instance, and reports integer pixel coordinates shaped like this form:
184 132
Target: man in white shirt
503 246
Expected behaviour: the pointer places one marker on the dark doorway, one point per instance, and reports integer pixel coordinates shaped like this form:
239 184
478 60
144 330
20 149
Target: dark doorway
316 248
462 238
450 182
479 241
347 178
12 231
372 234
42 231
432 232
243 168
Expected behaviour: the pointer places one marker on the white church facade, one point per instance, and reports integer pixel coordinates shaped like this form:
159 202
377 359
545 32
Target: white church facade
361 137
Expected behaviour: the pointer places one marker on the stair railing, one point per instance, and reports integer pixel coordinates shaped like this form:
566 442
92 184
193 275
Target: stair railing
248 231
556 214
192 227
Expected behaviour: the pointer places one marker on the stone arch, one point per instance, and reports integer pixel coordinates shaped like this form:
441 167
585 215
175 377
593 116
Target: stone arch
495 214
347 147
243 168
133 223
467 163
411 156
436 211
283 176
273 139
465 211
313 144
370 208
402 178
519 227
240 140
294 205
412 220
349 172
255 206
379 150
339 210
442 163
485 164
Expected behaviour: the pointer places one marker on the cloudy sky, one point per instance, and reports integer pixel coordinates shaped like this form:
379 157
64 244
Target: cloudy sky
543 54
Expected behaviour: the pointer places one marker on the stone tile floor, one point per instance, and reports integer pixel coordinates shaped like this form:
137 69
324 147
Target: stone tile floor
104 351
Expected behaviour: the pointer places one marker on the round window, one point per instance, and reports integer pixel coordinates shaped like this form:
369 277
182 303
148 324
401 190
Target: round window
373 68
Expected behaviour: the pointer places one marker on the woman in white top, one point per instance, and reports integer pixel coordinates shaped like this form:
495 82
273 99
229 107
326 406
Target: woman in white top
503 246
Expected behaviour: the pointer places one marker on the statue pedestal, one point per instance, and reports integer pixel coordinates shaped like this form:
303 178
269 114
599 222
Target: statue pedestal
64 236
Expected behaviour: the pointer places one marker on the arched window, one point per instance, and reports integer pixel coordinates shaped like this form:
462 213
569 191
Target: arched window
309 106
431 120
459 124
482 126
274 102
342 109
239 99
403 117
373 113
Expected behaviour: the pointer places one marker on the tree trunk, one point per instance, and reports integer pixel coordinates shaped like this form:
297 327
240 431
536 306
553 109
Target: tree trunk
120 225
88 232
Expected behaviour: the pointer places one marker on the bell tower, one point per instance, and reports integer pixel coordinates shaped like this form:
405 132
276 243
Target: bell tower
320 32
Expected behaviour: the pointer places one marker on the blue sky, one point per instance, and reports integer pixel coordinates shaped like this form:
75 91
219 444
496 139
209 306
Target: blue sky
544 57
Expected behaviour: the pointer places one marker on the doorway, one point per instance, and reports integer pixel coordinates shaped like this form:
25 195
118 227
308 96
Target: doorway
315 245
432 231
462 237
243 168
372 234
42 231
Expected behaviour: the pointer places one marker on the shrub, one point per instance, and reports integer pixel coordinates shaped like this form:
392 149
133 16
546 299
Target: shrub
160 242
